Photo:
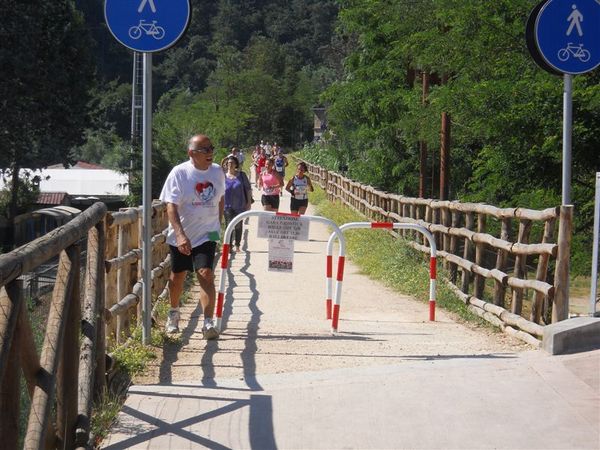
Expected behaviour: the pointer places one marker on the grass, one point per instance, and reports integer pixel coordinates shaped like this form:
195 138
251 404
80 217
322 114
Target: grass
390 260
105 411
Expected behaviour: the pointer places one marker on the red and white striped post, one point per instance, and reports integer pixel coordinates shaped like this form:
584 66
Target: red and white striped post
226 248
377 225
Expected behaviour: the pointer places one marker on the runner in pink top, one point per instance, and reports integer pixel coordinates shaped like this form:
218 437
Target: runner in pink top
271 183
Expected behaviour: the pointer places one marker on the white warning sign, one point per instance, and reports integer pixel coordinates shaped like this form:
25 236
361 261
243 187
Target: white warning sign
283 227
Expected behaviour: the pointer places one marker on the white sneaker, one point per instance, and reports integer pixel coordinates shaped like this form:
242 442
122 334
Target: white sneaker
173 321
209 331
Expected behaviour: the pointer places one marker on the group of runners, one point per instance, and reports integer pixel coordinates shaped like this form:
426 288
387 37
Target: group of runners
269 167
200 194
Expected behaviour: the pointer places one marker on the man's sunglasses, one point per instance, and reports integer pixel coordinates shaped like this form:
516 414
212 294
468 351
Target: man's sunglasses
209 149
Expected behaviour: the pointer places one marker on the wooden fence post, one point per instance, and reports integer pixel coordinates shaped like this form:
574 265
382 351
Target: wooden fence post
88 347
111 278
122 276
541 273
501 257
467 252
68 368
454 245
11 301
480 256
520 267
412 211
100 353
135 268
560 310
446 221
429 213
39 426
436 220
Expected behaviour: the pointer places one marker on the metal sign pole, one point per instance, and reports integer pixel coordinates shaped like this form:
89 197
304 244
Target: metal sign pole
594 281
145 28
147 202
567 134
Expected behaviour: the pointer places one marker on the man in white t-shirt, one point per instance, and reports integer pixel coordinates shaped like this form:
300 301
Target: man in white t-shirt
194 193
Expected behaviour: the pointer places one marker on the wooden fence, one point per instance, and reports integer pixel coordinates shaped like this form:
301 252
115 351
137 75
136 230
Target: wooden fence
507 264
70 371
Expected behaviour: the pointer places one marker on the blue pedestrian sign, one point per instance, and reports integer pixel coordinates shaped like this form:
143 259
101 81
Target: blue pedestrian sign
567 33
147 25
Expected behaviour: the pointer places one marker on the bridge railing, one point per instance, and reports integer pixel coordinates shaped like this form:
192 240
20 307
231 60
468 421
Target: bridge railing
510 265
70 371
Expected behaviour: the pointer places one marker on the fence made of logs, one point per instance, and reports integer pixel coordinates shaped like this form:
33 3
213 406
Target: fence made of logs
83 319
509 265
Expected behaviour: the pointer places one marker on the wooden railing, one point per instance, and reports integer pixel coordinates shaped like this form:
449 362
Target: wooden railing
482 266
124 269
70 371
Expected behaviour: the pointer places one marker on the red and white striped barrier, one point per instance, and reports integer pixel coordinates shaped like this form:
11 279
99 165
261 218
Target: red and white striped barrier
226 247
376 225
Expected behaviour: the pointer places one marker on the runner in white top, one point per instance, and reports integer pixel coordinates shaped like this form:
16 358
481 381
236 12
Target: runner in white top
194 193
299 186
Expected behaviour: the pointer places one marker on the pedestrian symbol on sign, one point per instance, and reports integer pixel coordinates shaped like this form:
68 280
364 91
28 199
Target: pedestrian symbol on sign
575 18
143 3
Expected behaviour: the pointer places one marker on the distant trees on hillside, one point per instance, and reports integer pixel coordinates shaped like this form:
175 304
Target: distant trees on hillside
244 71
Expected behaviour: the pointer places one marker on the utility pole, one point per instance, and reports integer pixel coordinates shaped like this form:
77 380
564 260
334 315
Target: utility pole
423 144
445 156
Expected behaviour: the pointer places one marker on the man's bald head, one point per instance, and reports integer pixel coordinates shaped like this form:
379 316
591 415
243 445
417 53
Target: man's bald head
198 141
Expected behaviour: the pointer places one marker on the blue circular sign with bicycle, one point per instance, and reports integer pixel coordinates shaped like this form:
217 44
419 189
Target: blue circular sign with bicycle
567 33
147 25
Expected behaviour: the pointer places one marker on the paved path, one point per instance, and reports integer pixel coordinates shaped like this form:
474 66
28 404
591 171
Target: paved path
277 378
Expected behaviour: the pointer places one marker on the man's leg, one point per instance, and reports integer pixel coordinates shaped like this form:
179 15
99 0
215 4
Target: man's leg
176 281
206 280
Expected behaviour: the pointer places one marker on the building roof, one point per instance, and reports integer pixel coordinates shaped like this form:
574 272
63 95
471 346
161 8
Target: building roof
78 165
74 182
51 198
84 182
58 211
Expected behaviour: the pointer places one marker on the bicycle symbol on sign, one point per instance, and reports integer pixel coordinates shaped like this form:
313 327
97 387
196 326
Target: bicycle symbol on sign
151 29
577 51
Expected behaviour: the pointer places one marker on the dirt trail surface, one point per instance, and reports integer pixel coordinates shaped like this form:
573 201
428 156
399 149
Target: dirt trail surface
278 378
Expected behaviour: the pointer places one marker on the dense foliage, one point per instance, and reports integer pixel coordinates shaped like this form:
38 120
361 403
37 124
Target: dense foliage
506 113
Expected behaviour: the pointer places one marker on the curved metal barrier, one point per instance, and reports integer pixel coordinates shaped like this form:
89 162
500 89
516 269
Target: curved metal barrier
225 254
340 274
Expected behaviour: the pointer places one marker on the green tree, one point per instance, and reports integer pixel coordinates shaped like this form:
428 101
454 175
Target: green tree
47 72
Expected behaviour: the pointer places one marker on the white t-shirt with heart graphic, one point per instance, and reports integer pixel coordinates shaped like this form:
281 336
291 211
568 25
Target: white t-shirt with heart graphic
197 194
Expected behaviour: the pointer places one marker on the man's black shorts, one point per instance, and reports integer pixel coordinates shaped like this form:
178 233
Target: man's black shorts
272 200
296 204
202 257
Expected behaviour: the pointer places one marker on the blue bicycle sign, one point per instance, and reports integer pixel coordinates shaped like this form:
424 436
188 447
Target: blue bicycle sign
567 35
576 51
147 25
150 29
